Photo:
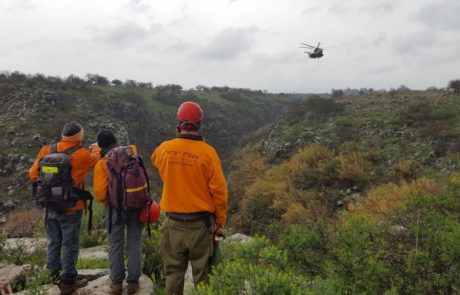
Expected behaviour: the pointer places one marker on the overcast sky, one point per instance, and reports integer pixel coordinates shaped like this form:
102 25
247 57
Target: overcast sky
237 43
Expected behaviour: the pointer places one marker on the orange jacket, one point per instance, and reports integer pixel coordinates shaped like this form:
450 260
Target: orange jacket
192 177
82 161
101 178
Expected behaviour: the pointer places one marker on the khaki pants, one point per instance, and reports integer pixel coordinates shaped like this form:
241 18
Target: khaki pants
183 242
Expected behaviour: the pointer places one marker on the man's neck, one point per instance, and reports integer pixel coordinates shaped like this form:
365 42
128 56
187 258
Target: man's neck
187 132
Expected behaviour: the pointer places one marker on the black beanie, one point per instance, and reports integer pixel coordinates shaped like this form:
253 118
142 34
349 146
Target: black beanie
71 128
106 138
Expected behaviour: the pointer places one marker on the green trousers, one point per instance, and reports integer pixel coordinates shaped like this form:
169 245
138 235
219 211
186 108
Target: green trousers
181 243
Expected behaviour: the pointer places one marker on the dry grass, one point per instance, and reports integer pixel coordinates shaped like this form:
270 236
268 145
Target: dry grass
385 201
22 224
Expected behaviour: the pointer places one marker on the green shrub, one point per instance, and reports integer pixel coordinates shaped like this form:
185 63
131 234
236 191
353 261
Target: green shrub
98 234
242 278
152 263
306 248
34 282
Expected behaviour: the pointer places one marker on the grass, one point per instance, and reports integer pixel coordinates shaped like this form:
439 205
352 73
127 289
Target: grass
84 263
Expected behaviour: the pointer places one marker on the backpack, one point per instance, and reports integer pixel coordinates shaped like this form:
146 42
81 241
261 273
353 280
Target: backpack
54 186
128 187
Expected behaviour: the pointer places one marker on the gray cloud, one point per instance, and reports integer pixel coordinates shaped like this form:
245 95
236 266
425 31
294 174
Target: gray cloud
444 15
380 7
412 44
340 8
381 69
123 35
380 39
230 43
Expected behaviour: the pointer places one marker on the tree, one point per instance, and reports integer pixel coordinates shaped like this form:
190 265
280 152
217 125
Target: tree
336 93
403 88
117 83
454 85
96 79
130 83
145 85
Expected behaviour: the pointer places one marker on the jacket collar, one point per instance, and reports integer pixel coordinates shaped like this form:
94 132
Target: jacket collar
191 136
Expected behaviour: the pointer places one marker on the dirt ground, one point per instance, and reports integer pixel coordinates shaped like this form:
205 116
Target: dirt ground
21 224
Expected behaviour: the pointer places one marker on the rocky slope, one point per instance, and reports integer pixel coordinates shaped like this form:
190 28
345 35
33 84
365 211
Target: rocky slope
35 109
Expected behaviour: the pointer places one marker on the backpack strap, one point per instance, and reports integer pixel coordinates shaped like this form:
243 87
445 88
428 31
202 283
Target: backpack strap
53 148
71 150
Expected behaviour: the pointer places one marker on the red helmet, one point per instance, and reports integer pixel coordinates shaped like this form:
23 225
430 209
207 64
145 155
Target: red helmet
190 112
150 213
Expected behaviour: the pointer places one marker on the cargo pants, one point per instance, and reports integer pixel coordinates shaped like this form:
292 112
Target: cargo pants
183 242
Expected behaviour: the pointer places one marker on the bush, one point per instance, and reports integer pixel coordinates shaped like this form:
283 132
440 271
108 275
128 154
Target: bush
306 248
36 282
386 201
406 170
255 267
312 166
151 257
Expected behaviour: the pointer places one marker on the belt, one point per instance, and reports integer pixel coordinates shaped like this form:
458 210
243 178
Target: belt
188 220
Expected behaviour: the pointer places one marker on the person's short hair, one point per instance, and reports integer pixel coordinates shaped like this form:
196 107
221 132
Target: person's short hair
71 128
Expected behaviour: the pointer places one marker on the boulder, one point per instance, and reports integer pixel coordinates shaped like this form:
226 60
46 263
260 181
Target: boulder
10 205
98 252
238 238
29 245
9 274
99 284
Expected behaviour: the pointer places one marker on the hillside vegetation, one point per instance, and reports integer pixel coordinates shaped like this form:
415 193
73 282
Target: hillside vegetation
36 107
356 195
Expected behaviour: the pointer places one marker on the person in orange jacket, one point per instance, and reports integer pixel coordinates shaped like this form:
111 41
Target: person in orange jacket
194 198
63 228
128 219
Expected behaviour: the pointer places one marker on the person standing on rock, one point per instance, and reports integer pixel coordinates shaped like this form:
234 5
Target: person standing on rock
194 198
107 176
63 226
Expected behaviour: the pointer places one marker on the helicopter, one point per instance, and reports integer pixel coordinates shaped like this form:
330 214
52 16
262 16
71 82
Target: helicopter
315 52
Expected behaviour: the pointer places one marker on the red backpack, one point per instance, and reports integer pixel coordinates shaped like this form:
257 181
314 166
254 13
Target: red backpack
128 181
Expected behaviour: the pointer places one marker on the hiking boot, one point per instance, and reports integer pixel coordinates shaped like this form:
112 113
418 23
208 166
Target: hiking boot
67 289
116 289
133 287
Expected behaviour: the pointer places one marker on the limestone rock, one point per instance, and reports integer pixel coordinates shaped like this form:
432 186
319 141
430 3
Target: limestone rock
98 252
29 245
9 274
101 284
238 238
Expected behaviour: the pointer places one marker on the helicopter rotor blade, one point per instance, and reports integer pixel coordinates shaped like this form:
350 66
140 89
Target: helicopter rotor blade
309 46
318 44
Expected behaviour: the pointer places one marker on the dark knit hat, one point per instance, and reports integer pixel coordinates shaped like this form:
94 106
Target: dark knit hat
106 138
71 129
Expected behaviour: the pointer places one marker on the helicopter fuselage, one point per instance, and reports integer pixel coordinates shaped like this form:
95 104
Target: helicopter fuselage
315 54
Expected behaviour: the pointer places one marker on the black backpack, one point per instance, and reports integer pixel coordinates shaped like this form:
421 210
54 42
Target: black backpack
55 189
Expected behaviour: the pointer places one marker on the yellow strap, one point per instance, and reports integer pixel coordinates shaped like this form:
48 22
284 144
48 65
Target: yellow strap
47 169
136 189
